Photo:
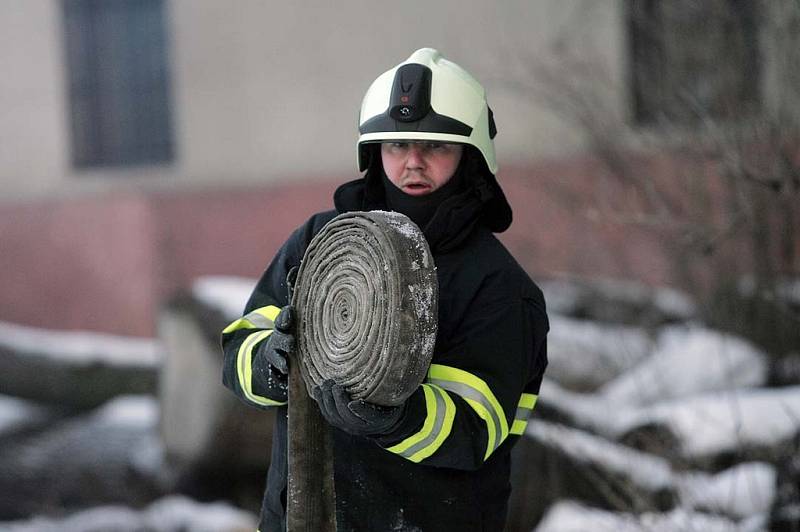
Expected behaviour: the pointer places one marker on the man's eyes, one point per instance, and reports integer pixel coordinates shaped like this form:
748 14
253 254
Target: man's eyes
424 145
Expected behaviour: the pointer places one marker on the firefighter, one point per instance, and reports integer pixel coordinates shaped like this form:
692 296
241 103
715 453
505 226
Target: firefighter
441 460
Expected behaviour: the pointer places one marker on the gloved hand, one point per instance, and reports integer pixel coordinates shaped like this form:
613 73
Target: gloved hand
279 345
355 417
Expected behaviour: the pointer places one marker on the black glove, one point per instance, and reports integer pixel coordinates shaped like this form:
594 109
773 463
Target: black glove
279 345
355 417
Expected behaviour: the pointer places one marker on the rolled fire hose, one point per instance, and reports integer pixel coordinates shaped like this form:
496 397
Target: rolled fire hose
366 297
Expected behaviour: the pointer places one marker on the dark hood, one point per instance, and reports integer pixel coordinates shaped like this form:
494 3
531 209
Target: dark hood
481 203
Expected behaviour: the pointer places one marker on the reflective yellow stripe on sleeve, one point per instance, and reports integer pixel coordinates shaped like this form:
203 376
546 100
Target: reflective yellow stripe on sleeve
524 408
260 318
244 368
436 428
478 395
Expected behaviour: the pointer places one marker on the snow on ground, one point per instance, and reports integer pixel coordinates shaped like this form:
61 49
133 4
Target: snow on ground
743 490
589 411
674 303
81 347
123 432
17 414
226 293
113 454
560 296
644 470
585 354
565 296
142 413
134 411
170 514
704 424
670 302
686 361
570 516
725 421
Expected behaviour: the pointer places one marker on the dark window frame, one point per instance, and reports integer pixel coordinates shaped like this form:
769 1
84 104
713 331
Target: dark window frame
118 83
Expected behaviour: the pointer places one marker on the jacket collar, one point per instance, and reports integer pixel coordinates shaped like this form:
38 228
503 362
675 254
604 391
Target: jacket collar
482 204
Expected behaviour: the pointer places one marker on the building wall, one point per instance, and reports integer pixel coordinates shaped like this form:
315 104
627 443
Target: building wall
270 91
107 262
33 140
81 264
265 101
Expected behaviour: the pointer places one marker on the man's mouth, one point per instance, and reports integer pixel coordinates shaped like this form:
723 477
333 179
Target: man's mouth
416 188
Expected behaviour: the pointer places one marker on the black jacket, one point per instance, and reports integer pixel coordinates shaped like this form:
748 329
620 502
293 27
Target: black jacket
447 465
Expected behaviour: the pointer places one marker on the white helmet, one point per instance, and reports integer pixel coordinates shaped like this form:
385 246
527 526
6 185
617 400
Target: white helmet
427 98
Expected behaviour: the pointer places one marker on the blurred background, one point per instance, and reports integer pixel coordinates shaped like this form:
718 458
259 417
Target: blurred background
154 154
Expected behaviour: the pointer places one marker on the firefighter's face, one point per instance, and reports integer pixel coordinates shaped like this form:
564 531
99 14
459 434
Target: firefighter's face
419 168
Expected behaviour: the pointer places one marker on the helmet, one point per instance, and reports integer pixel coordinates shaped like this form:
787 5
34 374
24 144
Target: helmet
427 98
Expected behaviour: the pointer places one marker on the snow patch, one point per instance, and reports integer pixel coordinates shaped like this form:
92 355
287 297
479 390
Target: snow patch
645 470
566 296
570 516
725 421
704 424
743 490
16 414
690 360
81 347
138 411
170 514
226 293
584 355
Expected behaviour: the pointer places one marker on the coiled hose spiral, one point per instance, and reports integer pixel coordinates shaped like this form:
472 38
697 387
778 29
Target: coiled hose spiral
366 299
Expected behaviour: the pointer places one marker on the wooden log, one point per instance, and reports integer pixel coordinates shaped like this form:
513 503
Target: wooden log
109 455
553 462
75 369
201 421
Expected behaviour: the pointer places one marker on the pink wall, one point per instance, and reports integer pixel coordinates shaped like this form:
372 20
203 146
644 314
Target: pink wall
86 263
231 232
553 234
105 262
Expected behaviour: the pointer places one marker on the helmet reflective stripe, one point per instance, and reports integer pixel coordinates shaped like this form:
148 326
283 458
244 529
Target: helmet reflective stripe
442 101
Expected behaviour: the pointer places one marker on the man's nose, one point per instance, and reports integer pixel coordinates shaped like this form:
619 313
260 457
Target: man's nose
415 157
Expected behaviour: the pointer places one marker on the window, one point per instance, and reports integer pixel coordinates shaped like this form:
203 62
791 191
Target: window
693 59
118 76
